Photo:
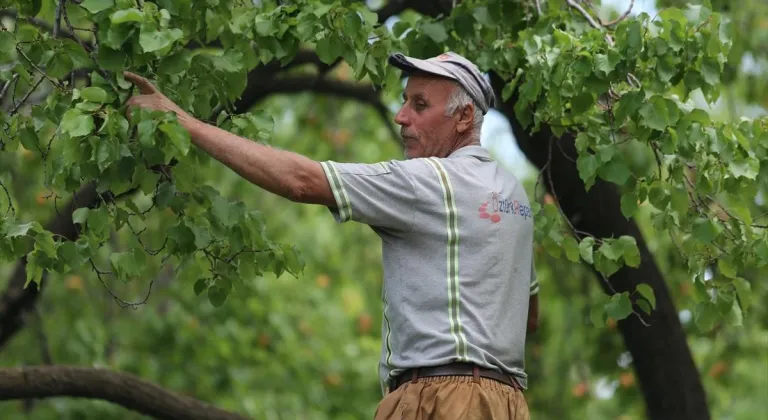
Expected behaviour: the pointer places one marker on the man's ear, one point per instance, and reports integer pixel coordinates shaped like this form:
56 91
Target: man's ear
466 118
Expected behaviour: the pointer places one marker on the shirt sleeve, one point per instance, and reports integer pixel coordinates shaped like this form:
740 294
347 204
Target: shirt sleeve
381 194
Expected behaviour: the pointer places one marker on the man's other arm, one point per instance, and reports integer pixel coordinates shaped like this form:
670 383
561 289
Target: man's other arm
533 314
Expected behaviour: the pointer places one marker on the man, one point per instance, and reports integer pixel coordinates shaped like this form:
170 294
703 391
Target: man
457 236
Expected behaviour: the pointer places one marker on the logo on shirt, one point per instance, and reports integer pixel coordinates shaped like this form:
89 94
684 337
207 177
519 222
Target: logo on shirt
496 206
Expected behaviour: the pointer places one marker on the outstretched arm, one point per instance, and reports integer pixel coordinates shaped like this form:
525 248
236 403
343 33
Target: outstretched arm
280 172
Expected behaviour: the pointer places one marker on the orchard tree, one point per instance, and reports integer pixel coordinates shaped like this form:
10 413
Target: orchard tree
614 113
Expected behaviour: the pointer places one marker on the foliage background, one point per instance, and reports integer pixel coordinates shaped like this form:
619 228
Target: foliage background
308 346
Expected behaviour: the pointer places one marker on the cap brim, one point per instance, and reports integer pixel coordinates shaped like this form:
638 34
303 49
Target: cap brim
411 64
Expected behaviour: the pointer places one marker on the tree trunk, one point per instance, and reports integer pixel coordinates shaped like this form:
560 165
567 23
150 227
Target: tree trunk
120 388
663 364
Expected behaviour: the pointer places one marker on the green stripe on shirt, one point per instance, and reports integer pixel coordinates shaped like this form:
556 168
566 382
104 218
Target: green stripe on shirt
342 200
453 259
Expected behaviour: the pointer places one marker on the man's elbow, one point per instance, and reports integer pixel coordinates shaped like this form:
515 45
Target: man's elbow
310 190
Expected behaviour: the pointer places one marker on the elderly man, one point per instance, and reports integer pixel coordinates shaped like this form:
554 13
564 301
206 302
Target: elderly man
459 288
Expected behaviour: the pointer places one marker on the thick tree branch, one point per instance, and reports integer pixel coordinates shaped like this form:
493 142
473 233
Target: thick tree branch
123 389
393 7
260 87
17 300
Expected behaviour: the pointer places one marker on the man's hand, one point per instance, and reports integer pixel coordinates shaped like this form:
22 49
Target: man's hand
150 97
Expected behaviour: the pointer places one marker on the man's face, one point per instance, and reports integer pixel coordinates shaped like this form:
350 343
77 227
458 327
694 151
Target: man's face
425 129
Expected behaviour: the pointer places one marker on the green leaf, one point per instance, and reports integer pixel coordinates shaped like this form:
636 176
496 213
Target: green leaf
217 296
744 167
127 264
706 315
96 6
629 204
127 15
615 171
107 152
618 306
587 166
605 265
597 315
7 45
200 286
644 305
659 113
630 251
75 254
30 8
629 37
582 103
586 249
647 292
221 211
76 124
710 70
482 16
155 41
20 230
60 65
629 103
606 63
80 215
725 265
178 136
436 31
706 230
608 251
744 292
571 248
33 270
94 94
399 28
44 242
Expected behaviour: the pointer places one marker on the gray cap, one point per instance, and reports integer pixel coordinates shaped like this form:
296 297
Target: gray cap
452 66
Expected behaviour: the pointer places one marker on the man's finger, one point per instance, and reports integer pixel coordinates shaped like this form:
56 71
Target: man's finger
145 86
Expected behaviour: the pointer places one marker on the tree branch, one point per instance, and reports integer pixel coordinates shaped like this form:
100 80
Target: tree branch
123 389
623 16
42 25
393 7
297 84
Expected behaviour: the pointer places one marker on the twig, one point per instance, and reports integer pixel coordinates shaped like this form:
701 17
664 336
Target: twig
122 303
39 70
57 19
90 53
538 7
10 201
623 16
6 85
656 153
586 14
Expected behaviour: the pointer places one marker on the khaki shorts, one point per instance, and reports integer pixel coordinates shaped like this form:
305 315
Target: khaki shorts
453 397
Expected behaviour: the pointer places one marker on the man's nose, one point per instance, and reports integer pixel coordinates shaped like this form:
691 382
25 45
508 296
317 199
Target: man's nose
400 117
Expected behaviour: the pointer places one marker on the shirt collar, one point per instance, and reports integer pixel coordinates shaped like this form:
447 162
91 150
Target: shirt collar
477 151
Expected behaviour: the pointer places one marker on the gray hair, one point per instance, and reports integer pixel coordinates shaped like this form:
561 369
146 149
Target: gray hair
459 99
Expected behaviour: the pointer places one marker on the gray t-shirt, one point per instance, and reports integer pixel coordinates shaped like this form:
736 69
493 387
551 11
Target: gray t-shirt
457 245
